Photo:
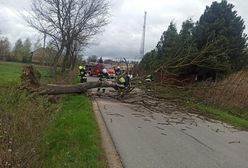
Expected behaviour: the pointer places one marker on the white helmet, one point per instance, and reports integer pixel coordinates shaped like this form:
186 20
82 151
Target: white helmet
118 67
104 70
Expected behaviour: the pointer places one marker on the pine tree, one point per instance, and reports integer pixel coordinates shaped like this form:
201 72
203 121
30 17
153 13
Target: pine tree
186 33
27 51
220 23
166 47
100 60
19 50
4 46
186 48
148 62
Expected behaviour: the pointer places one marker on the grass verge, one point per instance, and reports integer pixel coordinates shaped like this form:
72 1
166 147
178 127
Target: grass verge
72 139
22 119
219 113
234 116
9 73
37 133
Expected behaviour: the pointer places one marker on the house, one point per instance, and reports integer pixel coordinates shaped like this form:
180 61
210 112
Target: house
43 56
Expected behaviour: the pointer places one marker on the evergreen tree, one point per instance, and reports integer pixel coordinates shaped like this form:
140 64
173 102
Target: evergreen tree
220 23
100 60
186 48
186 44
4 46
92 58
166 47
186 33
148 62
19 50
5 49
214 45
27 50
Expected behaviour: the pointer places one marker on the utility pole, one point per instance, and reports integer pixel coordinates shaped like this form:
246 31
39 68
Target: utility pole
142 48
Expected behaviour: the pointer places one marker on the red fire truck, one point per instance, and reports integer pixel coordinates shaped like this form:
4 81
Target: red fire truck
99 67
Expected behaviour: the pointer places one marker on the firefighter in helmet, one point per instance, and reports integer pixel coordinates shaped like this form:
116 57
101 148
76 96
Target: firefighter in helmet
103 76
82 73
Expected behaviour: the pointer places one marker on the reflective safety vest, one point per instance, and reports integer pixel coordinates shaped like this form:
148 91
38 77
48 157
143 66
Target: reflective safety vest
82 72
122 80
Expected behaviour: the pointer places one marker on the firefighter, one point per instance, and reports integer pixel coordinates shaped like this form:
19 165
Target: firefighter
123 80
103 76
118 71
149 78
82 74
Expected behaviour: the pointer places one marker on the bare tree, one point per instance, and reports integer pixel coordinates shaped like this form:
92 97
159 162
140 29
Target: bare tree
108 61
75 55
67 22
4 48
92 58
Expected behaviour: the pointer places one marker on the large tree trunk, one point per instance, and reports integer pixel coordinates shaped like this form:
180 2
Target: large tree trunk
77 88
66 58
73 61
30 82
56 59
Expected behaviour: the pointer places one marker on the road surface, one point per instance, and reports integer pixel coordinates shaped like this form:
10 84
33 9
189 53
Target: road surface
147 139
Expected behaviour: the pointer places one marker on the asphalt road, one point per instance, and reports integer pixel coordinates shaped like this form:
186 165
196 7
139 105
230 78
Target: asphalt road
146 139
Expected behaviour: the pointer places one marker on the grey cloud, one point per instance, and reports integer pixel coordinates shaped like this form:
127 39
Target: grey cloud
12 24
122 37
124 34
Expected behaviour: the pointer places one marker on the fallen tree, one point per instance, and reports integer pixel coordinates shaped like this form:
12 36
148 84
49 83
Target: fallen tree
30 81
51 89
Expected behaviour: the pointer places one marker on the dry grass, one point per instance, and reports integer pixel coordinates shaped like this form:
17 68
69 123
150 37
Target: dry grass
231 91
22 119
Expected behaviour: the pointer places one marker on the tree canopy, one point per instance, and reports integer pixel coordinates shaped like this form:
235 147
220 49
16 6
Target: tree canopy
22 50
100 60
214 44
166 45
4 46
220 22
69 24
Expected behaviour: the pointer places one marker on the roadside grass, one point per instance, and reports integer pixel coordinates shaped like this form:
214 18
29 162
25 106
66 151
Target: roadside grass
233 115
37 133
9 73
22 119
220 113
72 139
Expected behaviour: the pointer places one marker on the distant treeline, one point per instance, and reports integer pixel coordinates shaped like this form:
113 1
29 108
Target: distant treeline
216 44
21 52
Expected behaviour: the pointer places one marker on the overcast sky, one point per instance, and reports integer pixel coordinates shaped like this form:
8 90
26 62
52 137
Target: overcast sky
122 37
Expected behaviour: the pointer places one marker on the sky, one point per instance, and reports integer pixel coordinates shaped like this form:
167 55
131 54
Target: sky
122 36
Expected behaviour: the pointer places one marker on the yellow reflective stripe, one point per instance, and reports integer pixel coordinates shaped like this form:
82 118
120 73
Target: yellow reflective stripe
122 80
